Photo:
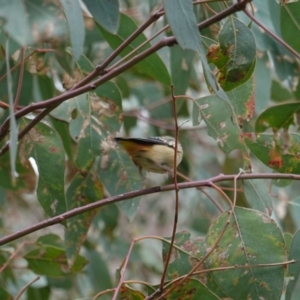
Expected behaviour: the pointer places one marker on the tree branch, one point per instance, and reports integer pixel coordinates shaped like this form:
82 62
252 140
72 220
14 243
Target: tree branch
134 194
272 34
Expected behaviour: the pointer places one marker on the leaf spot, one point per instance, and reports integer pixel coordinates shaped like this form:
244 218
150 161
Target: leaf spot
223 125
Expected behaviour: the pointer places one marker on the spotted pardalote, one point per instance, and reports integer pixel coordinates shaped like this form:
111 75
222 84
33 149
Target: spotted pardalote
153 154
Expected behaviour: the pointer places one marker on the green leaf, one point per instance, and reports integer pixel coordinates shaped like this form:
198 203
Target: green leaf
249 239
290 24
288 237
294 209
294 269
130 293
13 134
279 152
191 289
43 86
42 293
149 94
91 118
297 91
262 76
62 129
181 68
183 23
277 117
267 12
281 182
123 85
83 68
98 268
27 94
51 260
119 175
24 170
243 101
4 295
82 191
257 195
111 113
284 62
235 55
74 16
84 65
7 274
105 12
64 283
45 146
76 113
48 28
47 23
241 98
50 240
184 254
15 24
152 65
279 93
217 115
109 218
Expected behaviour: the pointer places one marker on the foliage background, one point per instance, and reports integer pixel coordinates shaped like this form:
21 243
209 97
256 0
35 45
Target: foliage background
238 108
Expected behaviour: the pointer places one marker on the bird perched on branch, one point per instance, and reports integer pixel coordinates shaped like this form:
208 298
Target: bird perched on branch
153 154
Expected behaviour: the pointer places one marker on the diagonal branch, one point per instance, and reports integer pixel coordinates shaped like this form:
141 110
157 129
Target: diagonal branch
272 34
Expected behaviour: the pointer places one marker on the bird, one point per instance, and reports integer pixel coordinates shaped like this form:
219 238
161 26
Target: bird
153 154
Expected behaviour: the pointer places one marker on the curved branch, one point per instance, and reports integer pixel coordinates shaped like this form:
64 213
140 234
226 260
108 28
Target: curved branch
133 194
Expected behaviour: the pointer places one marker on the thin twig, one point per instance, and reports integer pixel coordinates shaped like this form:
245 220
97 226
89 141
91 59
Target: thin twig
272 34
122 271
13 255
103 293
231 268
218 206
154 237
162 281
204 272
26 129
4 105
210 9
221 192
137 48
100 69
32 53
21 76
26 286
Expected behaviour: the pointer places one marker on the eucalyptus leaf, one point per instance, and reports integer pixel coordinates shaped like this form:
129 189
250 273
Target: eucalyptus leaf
241 246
